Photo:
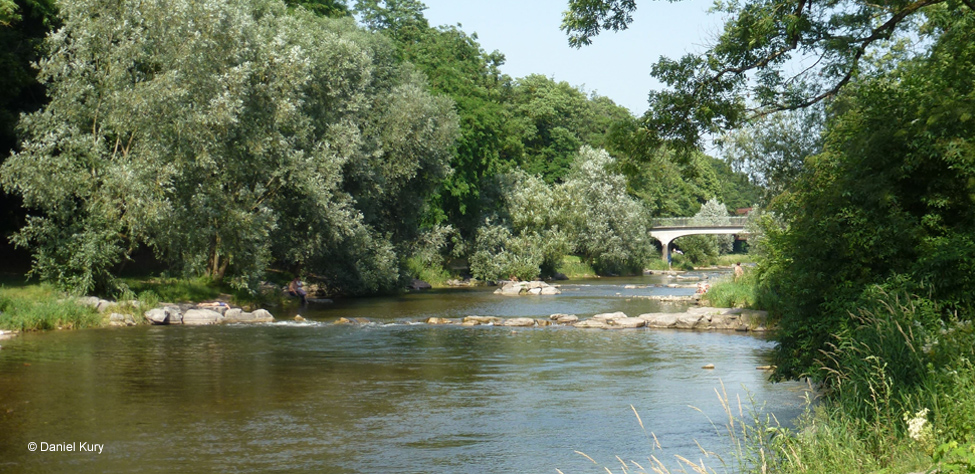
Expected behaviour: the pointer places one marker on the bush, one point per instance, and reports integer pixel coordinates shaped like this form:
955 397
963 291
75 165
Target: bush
499 255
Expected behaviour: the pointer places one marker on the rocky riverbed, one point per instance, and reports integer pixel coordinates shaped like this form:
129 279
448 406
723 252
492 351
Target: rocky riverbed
698 318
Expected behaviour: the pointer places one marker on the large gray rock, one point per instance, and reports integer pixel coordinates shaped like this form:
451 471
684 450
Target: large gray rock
201 317
174 315
419 285
627 323
591 324
156 316
526 288
564 318
660 320
511 289
520 322
691 321
236 315
606 317
436 320
476 320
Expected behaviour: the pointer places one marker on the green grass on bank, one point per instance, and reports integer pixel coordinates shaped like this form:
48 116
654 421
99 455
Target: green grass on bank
26 306
899 397
730 293
574 268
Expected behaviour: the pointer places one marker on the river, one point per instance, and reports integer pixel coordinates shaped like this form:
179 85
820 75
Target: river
387 397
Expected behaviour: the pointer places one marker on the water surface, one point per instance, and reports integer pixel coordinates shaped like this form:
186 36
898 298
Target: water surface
391 397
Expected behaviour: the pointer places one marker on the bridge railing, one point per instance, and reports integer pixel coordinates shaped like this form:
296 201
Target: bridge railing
699 222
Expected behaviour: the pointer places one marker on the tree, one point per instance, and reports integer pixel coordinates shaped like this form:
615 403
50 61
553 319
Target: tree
23 25
329 8
552 120
756 56
888 202
609 228
223 136
772 151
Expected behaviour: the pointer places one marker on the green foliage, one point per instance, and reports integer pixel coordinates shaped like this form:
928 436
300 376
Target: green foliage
772 150
892 194
551 120
499 255
955 458
241 135
609 228
173 290
731 293
30 314
573 267
329 8
754 56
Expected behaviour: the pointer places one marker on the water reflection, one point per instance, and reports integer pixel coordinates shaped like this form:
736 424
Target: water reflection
399 398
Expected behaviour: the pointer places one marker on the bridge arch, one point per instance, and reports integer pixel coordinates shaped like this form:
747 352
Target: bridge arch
667 229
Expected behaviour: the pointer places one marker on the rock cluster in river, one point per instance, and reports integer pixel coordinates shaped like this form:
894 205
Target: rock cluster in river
699 318
526 288
204 314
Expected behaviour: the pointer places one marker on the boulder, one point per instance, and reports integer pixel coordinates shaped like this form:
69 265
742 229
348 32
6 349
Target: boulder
591 324
299 319
156 316
691 321
419 285
174 315
237 316
519 322
660 320
435 320
564 318
605 317
551 290
534 291
509 290
201 317
343 321
543 322
476 320
627 323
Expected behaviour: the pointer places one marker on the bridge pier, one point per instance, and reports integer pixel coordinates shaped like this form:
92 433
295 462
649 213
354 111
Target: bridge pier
665 248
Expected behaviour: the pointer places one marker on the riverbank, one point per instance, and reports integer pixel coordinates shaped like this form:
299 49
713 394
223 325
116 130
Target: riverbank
905 401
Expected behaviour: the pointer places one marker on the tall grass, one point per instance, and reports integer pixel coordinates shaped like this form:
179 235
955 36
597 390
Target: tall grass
20 313
731 293
175 290
574 267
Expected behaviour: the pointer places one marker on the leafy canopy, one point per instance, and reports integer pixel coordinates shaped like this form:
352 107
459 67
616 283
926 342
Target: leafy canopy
772 55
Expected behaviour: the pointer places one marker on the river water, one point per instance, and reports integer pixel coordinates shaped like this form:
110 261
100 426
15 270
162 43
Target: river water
387 397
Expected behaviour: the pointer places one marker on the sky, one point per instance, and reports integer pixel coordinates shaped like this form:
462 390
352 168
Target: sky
616 65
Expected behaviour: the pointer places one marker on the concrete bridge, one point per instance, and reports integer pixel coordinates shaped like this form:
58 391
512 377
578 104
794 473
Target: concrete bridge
667 229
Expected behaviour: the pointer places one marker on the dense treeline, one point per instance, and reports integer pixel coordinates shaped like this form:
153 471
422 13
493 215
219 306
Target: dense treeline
231 137
867 158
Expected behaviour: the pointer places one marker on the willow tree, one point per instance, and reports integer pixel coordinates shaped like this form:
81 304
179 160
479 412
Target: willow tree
211 132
